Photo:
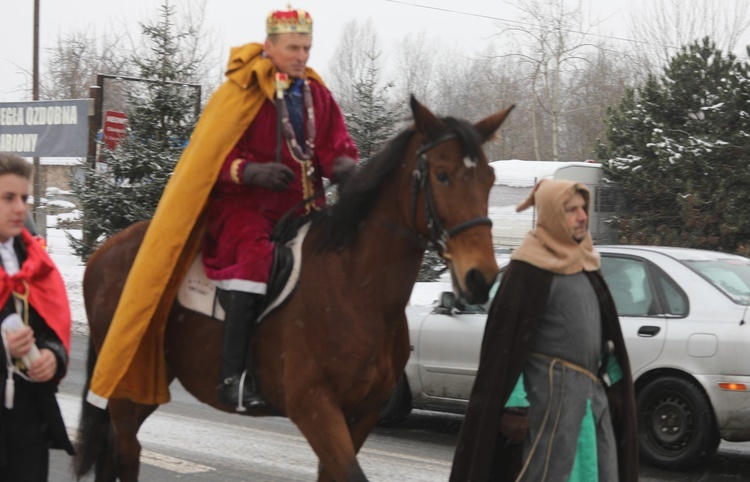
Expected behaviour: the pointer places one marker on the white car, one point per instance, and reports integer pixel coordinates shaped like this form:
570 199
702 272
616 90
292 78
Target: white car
684 315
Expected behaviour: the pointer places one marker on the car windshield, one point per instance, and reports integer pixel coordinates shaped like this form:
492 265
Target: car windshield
730 276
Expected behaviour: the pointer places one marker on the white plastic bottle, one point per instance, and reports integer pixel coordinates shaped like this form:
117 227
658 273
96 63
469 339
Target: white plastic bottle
13 323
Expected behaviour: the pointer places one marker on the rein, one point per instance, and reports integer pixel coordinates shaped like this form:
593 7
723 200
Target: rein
439 235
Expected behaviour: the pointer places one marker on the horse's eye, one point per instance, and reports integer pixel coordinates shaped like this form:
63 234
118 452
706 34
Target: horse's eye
442 178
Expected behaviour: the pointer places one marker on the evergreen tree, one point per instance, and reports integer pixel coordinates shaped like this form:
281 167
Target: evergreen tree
433 265
372 124
371 121
161 116
677 148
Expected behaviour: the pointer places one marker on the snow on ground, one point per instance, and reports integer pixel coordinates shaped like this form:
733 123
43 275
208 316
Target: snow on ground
71 268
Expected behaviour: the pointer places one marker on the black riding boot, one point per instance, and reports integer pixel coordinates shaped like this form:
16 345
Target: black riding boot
241 311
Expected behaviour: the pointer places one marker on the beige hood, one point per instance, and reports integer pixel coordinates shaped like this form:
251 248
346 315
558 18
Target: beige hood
550 245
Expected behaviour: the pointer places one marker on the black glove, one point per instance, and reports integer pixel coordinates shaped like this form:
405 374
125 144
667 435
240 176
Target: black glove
343 168
269 175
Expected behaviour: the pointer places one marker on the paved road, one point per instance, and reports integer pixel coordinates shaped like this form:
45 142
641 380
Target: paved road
186 440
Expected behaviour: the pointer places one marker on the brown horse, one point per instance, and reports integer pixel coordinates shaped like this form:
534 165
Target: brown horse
329 358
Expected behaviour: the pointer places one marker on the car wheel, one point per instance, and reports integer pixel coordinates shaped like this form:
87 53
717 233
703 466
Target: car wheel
398 405
676 424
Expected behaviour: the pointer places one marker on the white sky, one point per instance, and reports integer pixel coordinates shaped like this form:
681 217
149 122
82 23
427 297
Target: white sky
237 22
467 23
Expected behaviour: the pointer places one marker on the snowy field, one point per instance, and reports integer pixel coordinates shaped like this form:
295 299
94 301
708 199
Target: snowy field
71 268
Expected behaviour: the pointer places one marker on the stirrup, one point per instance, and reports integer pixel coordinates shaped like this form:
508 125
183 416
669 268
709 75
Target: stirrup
254 400
240 387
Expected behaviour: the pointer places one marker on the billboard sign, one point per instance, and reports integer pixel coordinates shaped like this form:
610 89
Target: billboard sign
113 129
45 128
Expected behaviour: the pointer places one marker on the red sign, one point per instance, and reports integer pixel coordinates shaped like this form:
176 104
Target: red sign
114 128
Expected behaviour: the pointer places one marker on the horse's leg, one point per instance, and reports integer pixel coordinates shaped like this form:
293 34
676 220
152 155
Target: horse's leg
359 429
126 418
324 427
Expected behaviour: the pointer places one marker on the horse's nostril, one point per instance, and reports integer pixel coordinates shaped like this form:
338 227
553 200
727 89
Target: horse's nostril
477 287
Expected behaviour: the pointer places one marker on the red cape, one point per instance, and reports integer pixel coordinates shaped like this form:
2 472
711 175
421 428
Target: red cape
46 289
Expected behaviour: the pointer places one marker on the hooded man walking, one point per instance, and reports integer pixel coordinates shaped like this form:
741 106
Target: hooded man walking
554 321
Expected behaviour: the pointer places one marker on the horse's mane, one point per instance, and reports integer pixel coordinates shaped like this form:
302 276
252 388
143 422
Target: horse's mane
338 225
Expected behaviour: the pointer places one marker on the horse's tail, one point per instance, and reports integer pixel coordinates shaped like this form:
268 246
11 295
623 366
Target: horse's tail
93 428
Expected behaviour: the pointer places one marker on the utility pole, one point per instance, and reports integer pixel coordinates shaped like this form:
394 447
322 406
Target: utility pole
40 215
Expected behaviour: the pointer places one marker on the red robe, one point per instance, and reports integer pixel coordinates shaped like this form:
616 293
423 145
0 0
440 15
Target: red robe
237 248
46 289
131 362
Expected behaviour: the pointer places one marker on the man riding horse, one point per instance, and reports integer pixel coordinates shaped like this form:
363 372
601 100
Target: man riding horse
255 154
255 189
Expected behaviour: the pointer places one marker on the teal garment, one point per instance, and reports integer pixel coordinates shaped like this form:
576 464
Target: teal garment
586 464
614 371
585 467
518 397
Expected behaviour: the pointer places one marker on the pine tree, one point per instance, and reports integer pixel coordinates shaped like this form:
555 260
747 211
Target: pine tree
371 122
678 149
161 116
433 265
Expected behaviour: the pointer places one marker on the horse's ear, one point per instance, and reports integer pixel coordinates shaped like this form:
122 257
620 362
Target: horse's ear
489 125
425 122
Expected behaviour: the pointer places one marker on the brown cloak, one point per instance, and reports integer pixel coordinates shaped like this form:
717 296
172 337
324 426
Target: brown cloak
511 323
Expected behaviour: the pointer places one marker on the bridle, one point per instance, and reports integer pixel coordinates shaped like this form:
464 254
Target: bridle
439 236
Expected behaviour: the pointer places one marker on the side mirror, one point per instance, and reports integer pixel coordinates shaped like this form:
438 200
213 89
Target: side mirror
447 301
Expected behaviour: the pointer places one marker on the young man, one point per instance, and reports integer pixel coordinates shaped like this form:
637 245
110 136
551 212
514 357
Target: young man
30 288
553 320
234 181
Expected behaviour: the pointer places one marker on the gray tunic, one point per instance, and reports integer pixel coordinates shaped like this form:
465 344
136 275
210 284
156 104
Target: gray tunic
569 330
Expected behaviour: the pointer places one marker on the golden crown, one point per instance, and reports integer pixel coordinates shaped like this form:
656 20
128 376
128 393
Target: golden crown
288 21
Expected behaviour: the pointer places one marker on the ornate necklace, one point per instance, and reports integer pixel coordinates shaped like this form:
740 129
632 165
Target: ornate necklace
302 154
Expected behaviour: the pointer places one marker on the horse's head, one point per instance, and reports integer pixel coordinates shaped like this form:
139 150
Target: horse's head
451 186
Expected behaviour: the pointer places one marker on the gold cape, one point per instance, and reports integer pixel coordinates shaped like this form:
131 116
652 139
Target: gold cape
131 362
